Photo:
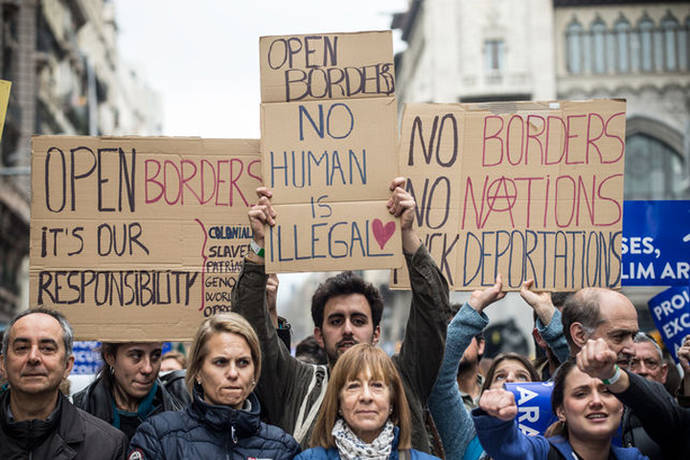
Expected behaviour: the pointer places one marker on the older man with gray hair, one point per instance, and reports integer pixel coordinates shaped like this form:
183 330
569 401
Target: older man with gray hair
36 420
649 359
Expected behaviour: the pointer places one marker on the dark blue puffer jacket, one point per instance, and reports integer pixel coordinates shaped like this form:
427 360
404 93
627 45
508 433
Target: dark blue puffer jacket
203 430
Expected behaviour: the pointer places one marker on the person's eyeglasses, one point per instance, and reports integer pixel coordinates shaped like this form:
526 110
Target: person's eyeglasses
649 363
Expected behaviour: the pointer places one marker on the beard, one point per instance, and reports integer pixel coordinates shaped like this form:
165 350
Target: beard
465 365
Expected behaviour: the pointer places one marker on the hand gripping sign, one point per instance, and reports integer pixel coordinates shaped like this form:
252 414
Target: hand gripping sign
534 406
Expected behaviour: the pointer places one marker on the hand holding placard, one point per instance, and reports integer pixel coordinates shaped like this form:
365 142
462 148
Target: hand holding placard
539 301
261 214
482 298
402 204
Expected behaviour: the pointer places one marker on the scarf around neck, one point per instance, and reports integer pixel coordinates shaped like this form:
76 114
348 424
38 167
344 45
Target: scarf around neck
351 447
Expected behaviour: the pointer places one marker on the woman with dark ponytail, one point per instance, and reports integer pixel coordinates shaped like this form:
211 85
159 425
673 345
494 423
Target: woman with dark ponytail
588 417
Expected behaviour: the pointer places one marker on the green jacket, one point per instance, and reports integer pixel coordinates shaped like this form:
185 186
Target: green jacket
291 391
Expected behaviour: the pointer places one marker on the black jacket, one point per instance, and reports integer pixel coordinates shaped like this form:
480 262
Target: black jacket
75 434
663 419
634 435
208 431
96 399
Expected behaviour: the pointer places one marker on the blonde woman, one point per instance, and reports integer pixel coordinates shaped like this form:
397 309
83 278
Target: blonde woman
223 419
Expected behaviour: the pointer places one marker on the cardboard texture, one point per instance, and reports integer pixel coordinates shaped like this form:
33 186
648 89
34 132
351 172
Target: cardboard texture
329 163
360 234
326 66
136 238
5 87
347 156
524 189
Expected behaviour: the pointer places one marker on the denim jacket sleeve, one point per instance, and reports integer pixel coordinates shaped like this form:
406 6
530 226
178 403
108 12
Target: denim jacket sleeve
554 337
450 415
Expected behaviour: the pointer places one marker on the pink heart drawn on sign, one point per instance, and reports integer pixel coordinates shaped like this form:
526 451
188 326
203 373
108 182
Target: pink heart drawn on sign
382 233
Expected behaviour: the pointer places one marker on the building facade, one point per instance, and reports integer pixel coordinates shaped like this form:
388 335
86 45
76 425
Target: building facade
67 78
497 50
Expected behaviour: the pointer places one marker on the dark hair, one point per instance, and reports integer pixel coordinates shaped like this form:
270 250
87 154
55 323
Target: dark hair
582 307
533 374
67 333
346 283
309 350
106 372
558 395
558 392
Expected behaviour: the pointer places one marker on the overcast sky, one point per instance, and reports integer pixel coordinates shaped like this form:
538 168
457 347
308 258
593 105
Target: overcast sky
202 56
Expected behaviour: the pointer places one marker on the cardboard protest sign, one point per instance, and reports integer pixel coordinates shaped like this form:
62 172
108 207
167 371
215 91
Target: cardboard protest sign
326 66
525 189
137 238
670 310
5 87
329 162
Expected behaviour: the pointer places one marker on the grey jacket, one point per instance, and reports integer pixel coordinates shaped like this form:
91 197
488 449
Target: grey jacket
291 391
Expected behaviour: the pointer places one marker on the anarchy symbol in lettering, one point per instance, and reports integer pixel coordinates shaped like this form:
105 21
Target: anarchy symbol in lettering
501 196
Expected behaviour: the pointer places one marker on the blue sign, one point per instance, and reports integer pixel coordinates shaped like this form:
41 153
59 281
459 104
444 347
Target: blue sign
87 357
534 406
656 243
671 312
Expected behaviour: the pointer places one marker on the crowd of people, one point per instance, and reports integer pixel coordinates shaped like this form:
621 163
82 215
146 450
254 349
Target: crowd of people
241 393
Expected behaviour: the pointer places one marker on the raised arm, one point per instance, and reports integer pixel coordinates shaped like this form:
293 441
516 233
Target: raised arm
450 415
498 431
422 348
663 419
549 324
279 371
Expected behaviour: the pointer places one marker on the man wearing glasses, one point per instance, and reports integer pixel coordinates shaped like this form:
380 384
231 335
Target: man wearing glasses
649 360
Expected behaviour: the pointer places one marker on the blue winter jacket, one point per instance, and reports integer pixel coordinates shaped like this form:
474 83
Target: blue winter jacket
204 430
503 440
452 419
319 453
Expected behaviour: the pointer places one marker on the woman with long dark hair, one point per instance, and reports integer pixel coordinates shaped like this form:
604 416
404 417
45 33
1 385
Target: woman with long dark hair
127 390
